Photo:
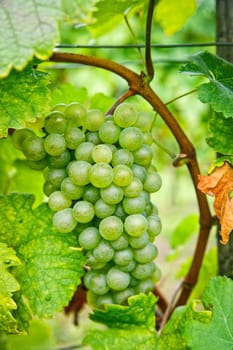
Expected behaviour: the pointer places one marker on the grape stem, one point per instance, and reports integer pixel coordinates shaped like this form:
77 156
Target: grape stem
139 86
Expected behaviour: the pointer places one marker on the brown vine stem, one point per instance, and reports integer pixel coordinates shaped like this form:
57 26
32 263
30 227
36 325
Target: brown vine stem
138 85
120 100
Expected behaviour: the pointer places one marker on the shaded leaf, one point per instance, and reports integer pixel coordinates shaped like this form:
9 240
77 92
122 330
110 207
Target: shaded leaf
50 269
172 15
8 285
219 91
24 100
26 31
220 185
184 230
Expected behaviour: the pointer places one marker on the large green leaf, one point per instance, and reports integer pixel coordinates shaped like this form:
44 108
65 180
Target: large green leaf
50 269
27 29
219 91
216 334
8 285
67 93
172 15
24 100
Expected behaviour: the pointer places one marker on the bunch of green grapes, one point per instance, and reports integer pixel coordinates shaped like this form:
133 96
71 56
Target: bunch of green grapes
99 179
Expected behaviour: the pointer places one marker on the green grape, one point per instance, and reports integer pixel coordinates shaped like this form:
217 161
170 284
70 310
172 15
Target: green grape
143 156
54 144
135 205
123 175
102 300
122 156
121 242
135 225
75 114
112 194
154 225
131 138
78 172
125 115
55 177
58 201
146 254
96 282
139 242
60 161
83 211
63 220
55 123
101 175
152 182
94 119
117 279
122 296
103 253
84 151
49 188
92 262
123 257
93 137
20 135
140 172
144 286
71 190
103 209
143 271
101 153
128 268
119 211
144 121
60 107
89 238
109 132
134 188
111 228
33 148
39 164
74 137
91 193
147 138
156 275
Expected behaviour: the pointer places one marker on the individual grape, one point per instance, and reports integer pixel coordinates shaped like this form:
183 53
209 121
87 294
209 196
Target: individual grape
125 115
33 148
129 267
119 211
146 254
139 242
123 257
143 271
71 190
123 175
101 175
54 144
103 252
20 135
147 138
131 138
55 123
63 220
111 228
139 172
92 262
122 156
101 153
144 121
143 156
120 243
74 137
156 275
103 209
135 225
91 193
109 132
152 182
102 300
84 152
60 161
93 137
154 225
58 201
78 172
75 114
134 188
135 205
94 119
112 194
49 188
117 279
96 282
122 296
144 286
60 107
55 177
39 164
89 238
83 211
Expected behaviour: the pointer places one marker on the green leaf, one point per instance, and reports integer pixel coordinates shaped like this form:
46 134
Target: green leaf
26 31
68 93
110 12
8 285
101 101
172 15
184 230
51 269
25 99
139 313
218 332
219 91
222 134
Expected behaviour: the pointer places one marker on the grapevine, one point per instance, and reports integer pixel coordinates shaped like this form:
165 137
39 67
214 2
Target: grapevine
99 179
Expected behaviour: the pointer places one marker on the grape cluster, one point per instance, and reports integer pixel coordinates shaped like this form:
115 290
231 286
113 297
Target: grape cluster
99 179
